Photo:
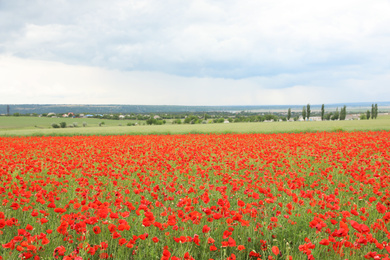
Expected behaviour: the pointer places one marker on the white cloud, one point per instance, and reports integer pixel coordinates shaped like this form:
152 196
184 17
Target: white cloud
206 38
196 52
43 82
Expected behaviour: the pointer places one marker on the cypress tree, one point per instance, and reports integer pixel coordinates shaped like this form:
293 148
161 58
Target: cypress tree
336 115
304 113
289 114
376 110
308 111
322 111
343 113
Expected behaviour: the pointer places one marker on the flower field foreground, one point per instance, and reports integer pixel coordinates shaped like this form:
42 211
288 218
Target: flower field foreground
238 196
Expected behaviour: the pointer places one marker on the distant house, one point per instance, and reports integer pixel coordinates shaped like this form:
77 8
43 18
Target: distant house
226 122
352 117
65 115
121 117
156 117
315 118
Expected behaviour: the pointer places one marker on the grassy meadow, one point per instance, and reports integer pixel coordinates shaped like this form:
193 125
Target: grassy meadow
26 122
185 197
156 192
34 126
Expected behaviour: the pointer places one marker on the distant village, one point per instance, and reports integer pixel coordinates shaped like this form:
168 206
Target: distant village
274 117
220 116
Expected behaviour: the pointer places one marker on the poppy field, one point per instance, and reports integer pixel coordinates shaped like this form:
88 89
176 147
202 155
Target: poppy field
322 195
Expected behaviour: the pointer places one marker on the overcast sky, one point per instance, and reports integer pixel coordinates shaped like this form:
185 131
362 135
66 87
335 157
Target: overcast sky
206 52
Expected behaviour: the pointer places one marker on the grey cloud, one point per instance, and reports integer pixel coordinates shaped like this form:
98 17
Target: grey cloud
54 82
226 39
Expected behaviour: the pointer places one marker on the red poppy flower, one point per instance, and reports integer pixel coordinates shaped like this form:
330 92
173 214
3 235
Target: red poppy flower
206 229
275 250
231 242
122 241
240 247
96 230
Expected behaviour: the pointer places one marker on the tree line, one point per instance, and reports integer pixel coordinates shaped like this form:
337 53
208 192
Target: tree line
374 112
224 116
337 115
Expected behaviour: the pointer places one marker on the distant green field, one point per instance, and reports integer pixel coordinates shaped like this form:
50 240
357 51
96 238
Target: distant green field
25 126
13 123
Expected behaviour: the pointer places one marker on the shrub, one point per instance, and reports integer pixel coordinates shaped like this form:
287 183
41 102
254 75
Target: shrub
219 120
54 125
63 124
328 116
152 121
192 119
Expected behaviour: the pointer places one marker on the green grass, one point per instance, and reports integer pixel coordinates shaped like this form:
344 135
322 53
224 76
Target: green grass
19 123
99 170
30 126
